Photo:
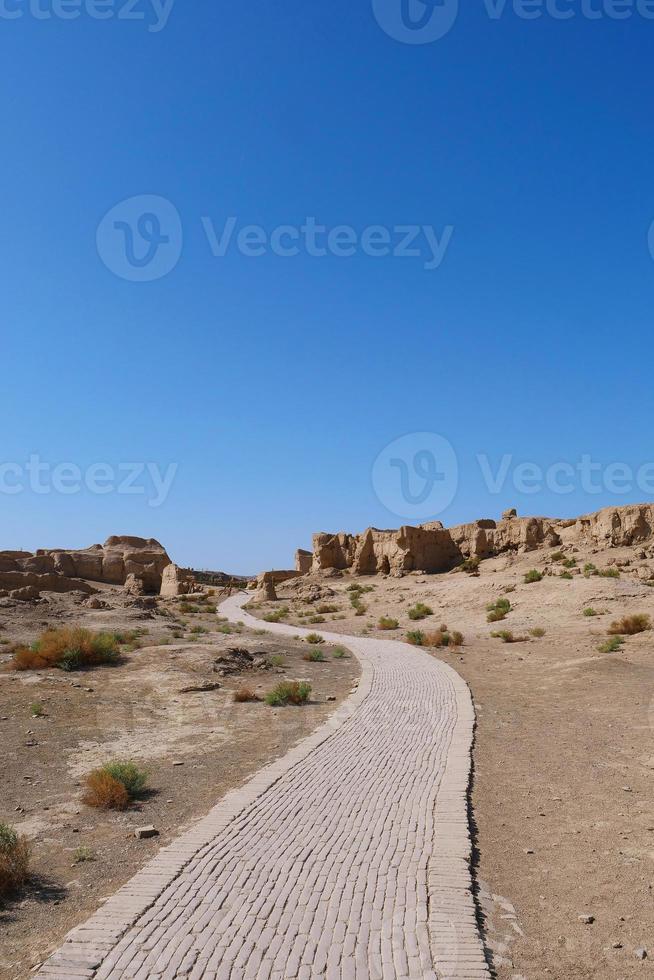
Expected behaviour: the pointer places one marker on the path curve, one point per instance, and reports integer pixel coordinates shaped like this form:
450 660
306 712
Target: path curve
347 858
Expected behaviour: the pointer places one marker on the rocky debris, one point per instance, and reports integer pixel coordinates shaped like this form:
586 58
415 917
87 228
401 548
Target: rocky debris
587 919
203 688
176 581
95 603
237 659
432 548
143 833
27 594
134 585
309 592
640 954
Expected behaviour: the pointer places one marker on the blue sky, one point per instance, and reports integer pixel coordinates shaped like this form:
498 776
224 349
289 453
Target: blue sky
273 383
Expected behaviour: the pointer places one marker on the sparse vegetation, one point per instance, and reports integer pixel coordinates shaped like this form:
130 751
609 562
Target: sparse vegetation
506 636
83 855
537 632
557 556
289 692
315 638
470 566
533 575
243 695
570 563
566 575
416 637
339 653
14 860
314 656
327 607
420 611
277 616
637 623
590 612
387 623
276 660
498 610
114 785
314 620
610 572
68 648
612 645
37 710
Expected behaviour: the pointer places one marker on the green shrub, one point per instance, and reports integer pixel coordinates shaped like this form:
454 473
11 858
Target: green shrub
537 632
416 637
420 611
610 572
83 855
505 635
276 660
590 612
37 710
289 692
128 773
315 619
340 653
590 569
387 623
277 616
570 563
498 610
566 575
314 656
315 638
612 645
533 575
557 556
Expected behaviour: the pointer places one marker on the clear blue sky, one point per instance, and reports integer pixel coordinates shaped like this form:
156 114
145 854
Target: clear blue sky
275 382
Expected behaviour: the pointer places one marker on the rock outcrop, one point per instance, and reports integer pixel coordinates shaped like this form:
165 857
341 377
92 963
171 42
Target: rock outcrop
434 548
60 570
303 561
177 581
266 587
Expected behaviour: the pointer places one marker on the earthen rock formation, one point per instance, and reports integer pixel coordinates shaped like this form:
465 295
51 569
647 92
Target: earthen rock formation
177 581
60 570
434 548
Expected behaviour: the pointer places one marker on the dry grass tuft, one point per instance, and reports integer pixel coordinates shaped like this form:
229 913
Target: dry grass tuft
105 792
68 648
244 695
14 860
630 625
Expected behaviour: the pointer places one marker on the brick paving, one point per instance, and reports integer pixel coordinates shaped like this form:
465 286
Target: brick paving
347 858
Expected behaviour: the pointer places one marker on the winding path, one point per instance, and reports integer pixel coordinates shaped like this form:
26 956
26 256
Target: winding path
347 858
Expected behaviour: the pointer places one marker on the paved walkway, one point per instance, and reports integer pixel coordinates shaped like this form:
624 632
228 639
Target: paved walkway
348 858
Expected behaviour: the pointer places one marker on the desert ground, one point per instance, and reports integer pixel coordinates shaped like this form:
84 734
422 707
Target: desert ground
562 798
195 744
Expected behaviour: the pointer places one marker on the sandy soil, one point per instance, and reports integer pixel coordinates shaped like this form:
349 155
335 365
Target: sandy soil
195 746
563 794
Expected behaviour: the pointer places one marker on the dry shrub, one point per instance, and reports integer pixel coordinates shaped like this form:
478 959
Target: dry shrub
104 791
387 623
630 625
69 648
437 639
243 695
14 860
289 692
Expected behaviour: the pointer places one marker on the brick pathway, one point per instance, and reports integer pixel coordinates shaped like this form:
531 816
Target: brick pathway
348 858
